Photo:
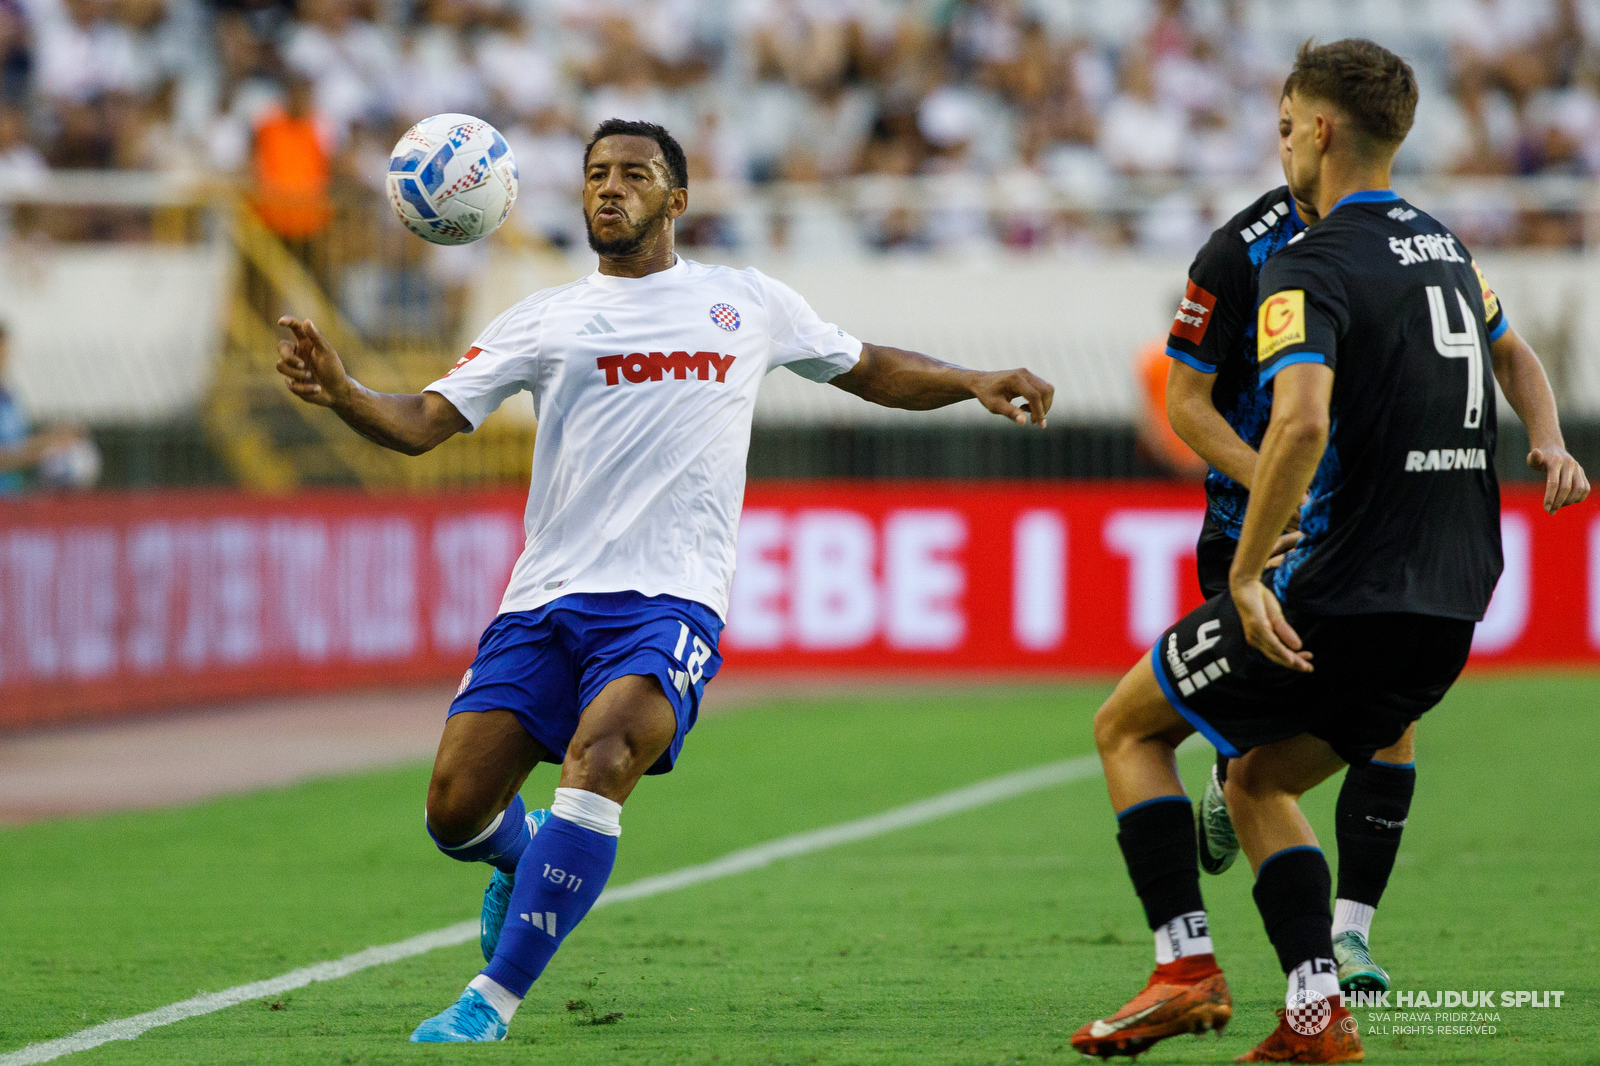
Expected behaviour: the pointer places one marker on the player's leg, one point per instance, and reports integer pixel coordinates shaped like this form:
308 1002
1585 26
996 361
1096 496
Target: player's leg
637 667
1219 846
1374 803
1137 732
475 811
621 735
564 867
1292 888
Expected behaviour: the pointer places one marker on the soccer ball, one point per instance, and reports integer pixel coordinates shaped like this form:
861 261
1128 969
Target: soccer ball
452 179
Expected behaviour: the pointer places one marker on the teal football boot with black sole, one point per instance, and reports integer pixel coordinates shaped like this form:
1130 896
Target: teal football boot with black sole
1357 971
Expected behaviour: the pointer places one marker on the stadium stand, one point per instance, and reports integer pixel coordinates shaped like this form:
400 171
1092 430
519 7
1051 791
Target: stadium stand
1024 157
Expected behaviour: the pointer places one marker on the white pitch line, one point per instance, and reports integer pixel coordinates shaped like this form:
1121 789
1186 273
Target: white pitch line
753 858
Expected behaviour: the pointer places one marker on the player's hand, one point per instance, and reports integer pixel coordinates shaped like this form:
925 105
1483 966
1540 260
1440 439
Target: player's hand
1283 546
1564 480
1266 629
313 368
995 390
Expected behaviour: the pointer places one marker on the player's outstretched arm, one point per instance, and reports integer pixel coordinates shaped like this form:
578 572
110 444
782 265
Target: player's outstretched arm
407 423
1522 379
892 377
1293 446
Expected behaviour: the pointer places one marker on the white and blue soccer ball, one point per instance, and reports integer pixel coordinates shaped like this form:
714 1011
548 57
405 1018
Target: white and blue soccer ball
452 179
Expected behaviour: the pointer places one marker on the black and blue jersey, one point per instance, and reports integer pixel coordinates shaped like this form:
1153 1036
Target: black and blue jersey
1404 513
1214 331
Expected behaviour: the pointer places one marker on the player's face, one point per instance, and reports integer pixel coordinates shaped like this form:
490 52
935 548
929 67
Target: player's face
1297 147
1286 124
628 198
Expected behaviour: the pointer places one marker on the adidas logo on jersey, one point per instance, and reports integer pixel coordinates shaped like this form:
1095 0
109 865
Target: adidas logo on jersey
653 366
597 324
1265 222
1448 459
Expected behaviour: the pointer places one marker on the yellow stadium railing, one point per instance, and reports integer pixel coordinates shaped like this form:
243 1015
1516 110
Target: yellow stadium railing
275 442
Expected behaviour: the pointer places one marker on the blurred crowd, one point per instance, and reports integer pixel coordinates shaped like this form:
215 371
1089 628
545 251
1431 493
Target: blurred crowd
1027 102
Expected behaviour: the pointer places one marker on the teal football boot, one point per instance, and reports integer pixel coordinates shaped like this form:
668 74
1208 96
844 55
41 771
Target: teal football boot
469 1020
1357 971
497 897
1219 844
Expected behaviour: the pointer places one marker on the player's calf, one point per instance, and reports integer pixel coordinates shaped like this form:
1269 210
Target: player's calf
1291 891
1187 992
561 874
1374 804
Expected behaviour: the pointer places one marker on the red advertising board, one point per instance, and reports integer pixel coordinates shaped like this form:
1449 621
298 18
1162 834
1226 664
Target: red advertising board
112 603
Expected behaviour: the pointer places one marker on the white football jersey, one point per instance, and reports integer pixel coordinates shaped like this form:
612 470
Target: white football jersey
645 389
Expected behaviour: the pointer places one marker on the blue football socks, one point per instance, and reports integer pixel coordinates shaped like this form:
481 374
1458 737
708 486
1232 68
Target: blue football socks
560 875
501 844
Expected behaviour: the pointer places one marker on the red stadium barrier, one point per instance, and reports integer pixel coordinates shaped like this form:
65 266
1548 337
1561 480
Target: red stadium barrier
114 603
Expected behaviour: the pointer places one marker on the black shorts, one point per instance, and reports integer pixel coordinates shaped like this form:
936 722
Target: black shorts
1374 675
1213 555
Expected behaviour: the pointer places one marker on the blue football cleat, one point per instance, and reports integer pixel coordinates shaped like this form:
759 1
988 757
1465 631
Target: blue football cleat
496 901
469 1020
497 897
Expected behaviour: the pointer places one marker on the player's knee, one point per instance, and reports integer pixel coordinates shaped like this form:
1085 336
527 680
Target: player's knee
1244 782
1110 728
1250 782
1401 751
602 760
456 812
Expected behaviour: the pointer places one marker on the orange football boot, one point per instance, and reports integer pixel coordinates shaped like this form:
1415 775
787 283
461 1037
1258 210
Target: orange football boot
1188 995
1338 1042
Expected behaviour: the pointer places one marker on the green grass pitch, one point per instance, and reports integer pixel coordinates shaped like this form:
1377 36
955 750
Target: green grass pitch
987 937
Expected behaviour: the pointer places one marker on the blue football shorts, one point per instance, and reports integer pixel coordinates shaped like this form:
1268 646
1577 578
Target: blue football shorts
546 665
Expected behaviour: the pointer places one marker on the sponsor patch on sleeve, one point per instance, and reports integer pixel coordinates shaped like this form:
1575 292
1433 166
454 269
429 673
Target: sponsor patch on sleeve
1280 323
1194 313
472 353
1491 302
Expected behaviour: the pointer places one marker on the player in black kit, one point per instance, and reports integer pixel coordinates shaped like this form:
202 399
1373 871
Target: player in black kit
1217 403
1371 329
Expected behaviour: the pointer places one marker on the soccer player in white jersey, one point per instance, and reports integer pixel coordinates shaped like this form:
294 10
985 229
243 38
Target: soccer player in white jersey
644 376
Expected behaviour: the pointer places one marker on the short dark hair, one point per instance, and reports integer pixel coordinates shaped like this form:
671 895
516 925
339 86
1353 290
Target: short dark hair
1373 87
671 150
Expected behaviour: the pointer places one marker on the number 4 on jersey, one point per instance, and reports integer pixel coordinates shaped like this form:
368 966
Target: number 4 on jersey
1463 345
